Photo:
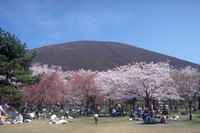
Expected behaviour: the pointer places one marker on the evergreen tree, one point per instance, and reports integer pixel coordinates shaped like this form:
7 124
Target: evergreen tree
14 68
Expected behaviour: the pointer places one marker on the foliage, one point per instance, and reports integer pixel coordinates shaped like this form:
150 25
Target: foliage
14 67
146 82
50 90
140 80
83 87
187 83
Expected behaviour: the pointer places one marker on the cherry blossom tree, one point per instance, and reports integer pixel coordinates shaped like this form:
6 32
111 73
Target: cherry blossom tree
187 83
83 87
51 89
115 84
37 68
151 83
145 81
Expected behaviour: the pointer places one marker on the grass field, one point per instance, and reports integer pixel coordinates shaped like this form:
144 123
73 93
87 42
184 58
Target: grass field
105 125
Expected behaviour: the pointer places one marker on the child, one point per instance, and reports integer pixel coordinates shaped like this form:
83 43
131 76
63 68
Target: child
96 118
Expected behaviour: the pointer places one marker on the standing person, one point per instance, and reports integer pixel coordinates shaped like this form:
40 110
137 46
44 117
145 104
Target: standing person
96 116
139 112
176 108
24 111
144 108
86 110
110 109
98 109
2 117
67 114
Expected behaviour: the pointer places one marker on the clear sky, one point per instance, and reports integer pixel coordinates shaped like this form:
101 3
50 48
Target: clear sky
171 27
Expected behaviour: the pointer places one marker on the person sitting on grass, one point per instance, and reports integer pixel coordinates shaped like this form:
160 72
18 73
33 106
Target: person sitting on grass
37 114
114 113
132 115
62 121
31 115
54 118
165 116
18 119
147 116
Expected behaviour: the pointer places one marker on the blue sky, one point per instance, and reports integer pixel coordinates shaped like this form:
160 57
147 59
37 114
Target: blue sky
171 27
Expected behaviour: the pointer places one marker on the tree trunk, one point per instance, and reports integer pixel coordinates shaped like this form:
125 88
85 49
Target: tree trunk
62 106
110 102
148 103
157 103
147 100
80 112
170 105
190 109
154 101
42 104
199 103
1 97
133 103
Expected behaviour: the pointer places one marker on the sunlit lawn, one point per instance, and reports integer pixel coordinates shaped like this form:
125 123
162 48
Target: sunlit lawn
105 125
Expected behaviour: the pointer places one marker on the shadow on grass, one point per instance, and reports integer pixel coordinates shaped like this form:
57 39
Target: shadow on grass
170 123
196 122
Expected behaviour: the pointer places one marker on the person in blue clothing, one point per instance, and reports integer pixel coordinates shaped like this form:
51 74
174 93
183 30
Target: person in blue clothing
132 115
147 116
139 110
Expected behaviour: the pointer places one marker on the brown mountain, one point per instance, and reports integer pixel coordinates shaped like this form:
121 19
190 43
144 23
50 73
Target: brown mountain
97 55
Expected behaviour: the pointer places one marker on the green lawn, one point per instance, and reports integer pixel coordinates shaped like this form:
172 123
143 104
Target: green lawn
105 125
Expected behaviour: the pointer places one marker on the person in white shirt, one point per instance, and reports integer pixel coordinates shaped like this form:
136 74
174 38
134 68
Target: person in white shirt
2 117
96 116
54 118
18 120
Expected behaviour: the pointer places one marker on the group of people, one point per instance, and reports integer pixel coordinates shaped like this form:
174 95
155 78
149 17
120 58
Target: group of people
18 120
118 110
149 115
141 113
25 113
28 112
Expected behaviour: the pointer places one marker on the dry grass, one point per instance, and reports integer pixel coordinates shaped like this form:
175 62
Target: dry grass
106 125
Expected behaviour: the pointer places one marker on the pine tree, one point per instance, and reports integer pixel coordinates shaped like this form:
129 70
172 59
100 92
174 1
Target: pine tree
14 67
